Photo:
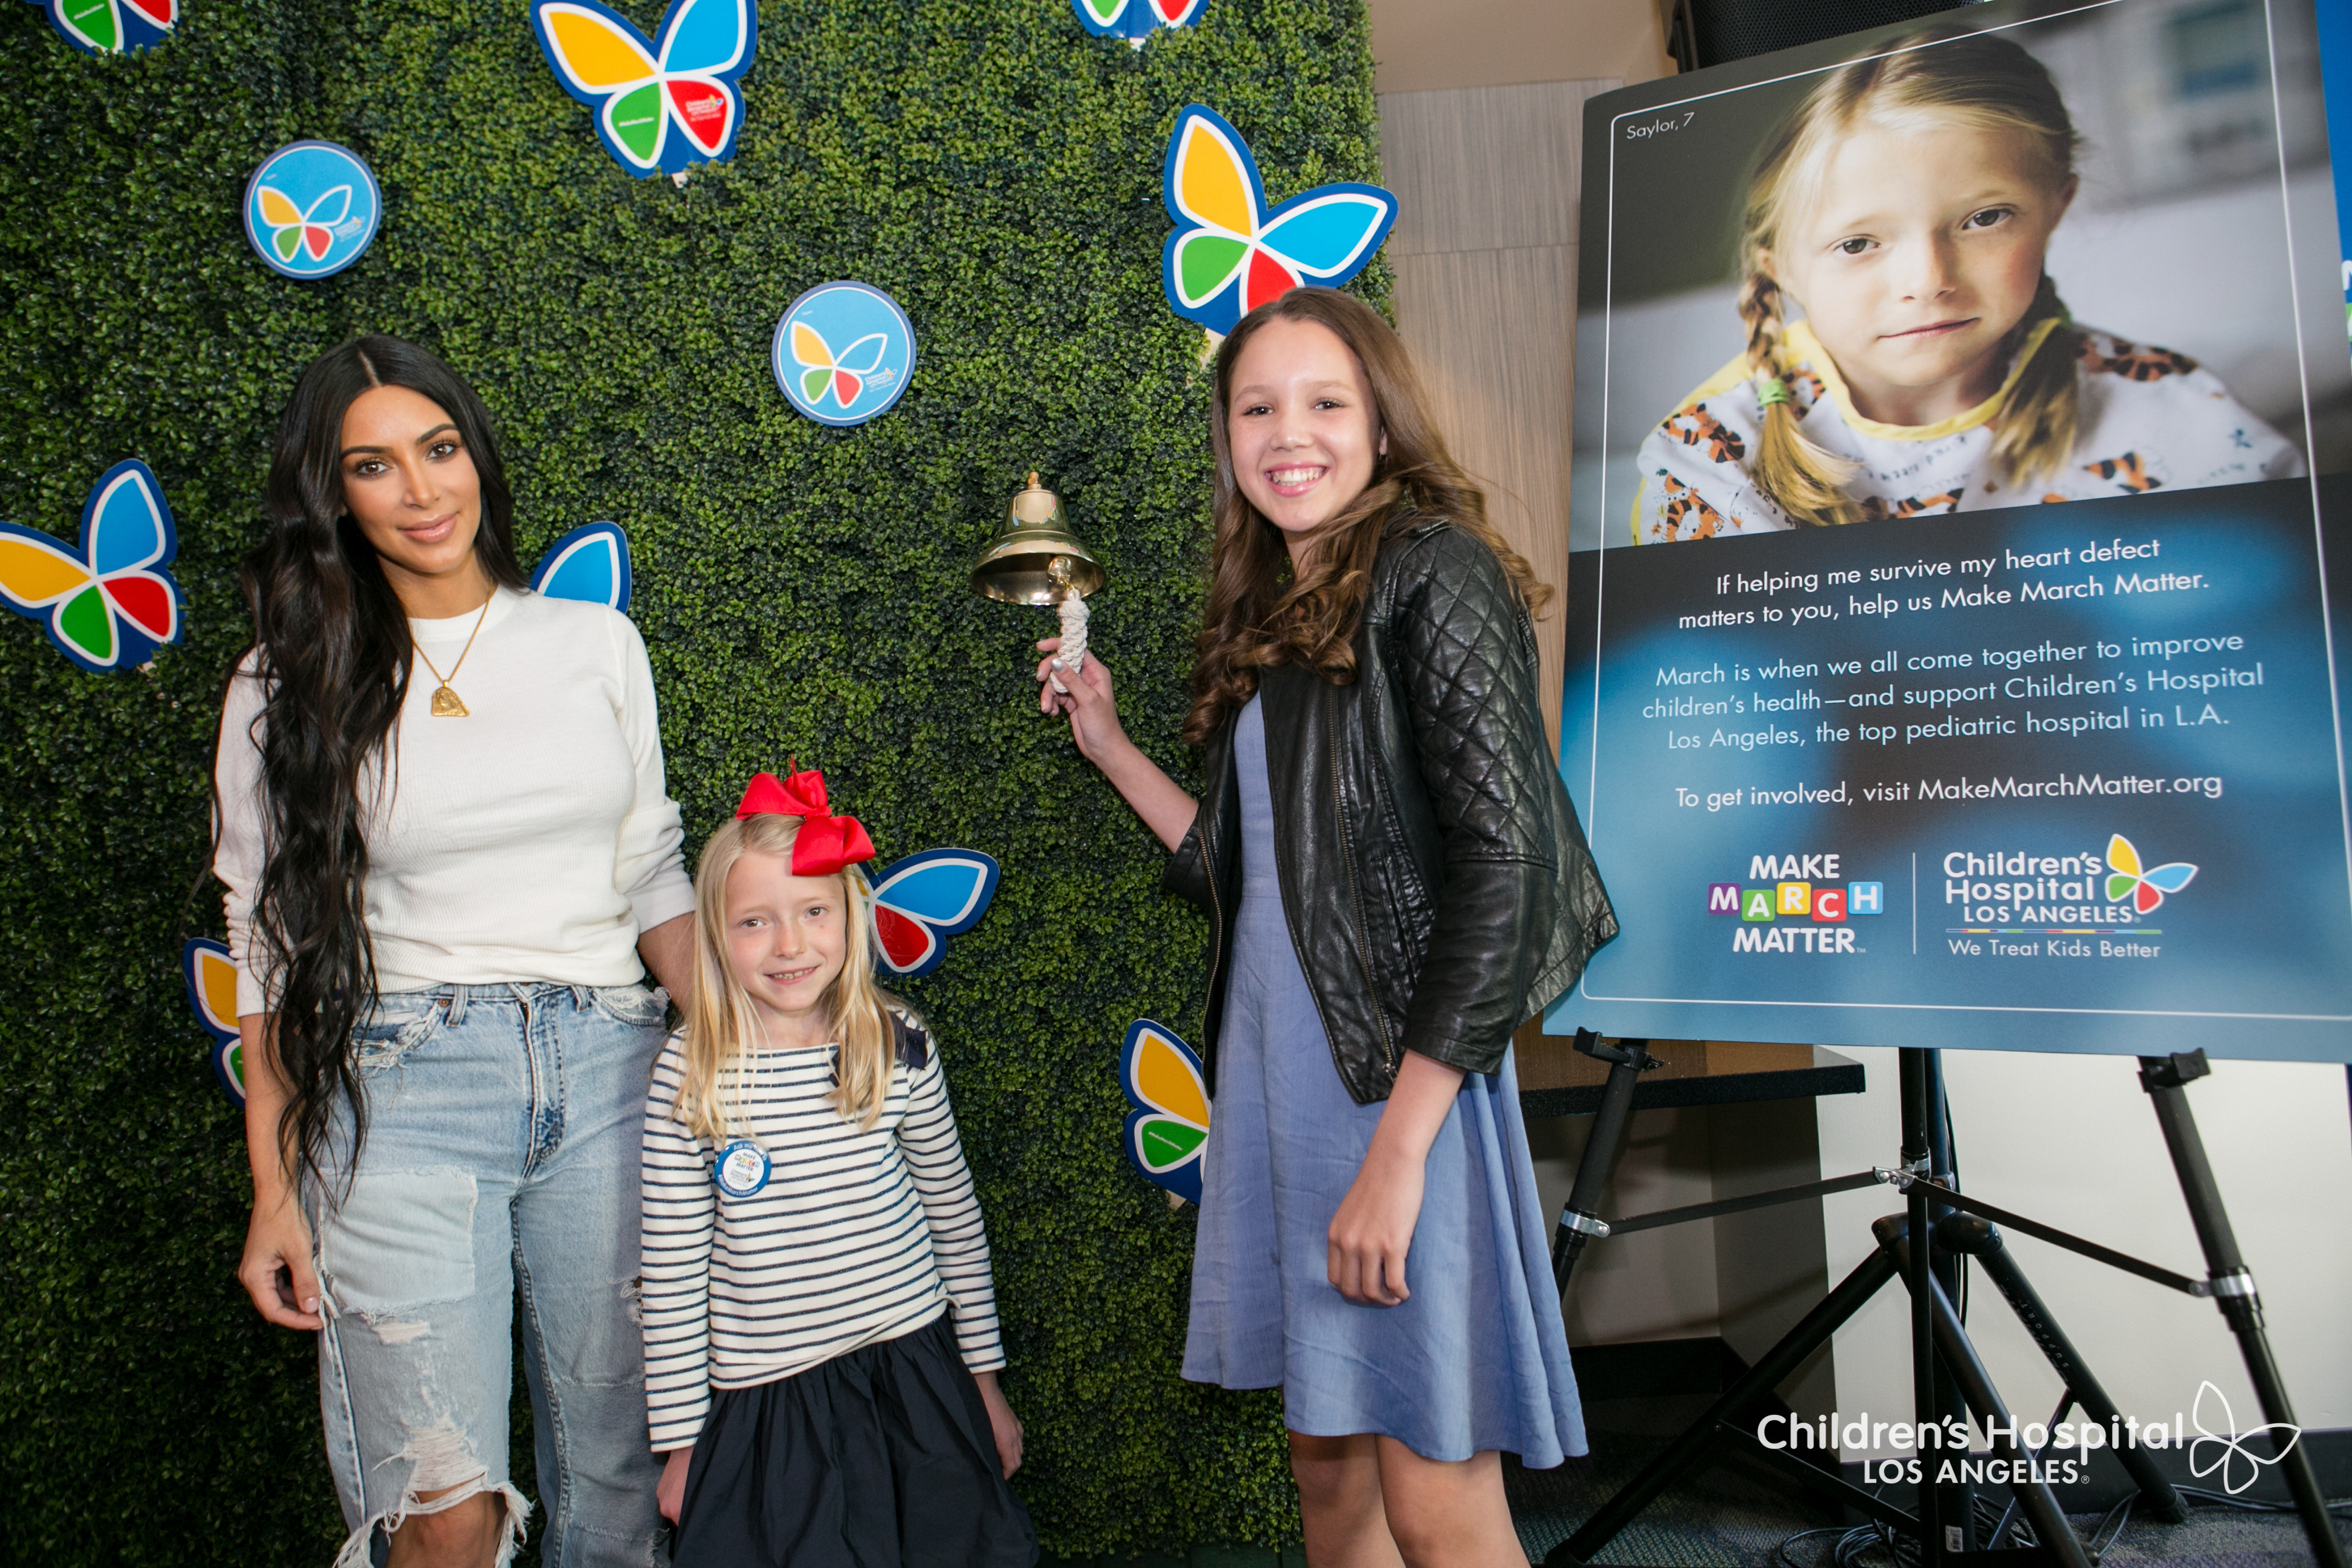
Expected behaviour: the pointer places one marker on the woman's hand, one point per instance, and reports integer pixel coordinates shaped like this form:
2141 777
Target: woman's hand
1093 711
276 1269
1003 1424
1373 1230
669 1493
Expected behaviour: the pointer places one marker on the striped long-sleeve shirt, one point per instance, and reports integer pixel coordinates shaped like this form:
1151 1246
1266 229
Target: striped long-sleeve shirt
859 1235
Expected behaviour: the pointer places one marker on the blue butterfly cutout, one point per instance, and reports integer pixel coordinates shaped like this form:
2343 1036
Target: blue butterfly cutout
660 107
1134 20
920 902
1228 253
211 976
110 603
1168 1128
590 563
112 27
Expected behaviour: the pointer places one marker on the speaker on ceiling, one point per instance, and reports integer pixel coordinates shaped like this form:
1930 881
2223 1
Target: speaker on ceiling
1711 32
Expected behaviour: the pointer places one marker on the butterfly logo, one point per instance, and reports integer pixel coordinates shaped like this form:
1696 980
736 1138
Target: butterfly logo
1134 20
1228 253
920 902
1170 1124
2230 1444
112 604
294 229
2146 889
112 27
660 107
311 209
590 563
211 976
866 374
843 375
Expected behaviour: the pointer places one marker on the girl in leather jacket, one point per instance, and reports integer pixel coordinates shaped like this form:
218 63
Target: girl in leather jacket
1395 879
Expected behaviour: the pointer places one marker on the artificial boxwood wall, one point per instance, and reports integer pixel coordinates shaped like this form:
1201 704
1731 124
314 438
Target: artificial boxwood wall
802 589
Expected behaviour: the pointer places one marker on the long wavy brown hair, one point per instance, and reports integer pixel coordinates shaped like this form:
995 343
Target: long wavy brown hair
1259 612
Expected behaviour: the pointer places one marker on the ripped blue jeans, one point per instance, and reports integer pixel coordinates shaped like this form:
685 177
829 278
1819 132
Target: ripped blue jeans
502 1157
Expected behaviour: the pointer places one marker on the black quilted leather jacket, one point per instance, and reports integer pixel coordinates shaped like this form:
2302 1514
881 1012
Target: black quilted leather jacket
1434 878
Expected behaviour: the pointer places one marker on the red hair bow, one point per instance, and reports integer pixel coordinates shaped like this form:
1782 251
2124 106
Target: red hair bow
825 843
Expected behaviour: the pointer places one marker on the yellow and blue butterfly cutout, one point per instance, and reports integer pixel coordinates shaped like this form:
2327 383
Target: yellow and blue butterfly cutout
590 563
1228 253
661 108
1134 20
2145 889
111 603
112 27
923 899
211 977
1169 1126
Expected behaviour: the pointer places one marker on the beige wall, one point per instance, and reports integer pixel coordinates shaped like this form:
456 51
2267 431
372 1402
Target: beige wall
1426 45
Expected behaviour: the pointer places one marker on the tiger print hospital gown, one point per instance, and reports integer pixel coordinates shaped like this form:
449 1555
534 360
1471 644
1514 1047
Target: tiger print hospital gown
2149 419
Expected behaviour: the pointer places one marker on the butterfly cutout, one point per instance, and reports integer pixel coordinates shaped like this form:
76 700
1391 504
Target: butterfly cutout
112 27
211 976
1170 1124
293 229
1134 20
843 374
2232 1444
2145 889
1228 253
590 563
660 108
925 898
110 605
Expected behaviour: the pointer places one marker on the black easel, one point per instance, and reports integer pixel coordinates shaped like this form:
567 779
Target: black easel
1946 1374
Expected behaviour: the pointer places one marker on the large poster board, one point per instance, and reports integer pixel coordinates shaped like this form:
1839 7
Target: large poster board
1927 688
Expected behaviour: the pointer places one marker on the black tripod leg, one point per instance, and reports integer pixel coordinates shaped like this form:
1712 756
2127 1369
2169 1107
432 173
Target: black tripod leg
2165 1079
2034 1495
1915 1069
1689 1450
1600 1151
1977 1238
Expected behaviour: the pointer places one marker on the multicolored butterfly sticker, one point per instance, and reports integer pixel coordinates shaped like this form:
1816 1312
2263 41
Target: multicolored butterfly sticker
211 976
1134 20
1170 1124
660 107
111 605
590 563
112 27
2146 888
311 209
1228 253
920 902
844 353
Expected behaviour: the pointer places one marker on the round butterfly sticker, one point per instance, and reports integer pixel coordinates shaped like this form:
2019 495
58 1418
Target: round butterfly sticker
844 353
311 209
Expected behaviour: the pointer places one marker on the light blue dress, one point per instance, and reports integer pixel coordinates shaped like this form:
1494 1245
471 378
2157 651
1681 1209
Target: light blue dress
1477 1358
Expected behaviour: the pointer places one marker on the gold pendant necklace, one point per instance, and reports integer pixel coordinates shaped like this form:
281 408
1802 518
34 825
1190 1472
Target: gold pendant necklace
446 704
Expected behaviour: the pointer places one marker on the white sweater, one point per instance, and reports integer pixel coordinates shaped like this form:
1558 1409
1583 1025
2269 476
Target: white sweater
531 840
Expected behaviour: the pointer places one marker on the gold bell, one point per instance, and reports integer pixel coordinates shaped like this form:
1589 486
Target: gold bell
1036 560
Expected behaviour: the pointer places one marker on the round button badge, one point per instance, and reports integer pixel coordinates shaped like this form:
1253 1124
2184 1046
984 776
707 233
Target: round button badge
741 1169
311 209
844 353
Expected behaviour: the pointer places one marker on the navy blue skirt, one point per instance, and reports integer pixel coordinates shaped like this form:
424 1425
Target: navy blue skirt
880 1458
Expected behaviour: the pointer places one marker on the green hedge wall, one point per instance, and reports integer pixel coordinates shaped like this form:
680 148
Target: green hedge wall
802 589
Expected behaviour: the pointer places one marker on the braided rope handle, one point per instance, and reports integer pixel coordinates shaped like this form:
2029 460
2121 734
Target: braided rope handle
1073 654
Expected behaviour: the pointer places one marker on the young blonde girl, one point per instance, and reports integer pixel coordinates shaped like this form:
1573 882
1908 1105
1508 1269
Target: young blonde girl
820 1325
1906 206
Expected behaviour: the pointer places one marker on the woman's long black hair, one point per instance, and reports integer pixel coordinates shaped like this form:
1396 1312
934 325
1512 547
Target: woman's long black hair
331 645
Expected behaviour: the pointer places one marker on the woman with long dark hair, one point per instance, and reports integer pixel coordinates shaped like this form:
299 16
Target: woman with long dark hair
1396 880
451 859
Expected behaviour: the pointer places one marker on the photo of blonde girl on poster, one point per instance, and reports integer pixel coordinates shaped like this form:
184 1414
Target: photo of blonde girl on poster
1949 289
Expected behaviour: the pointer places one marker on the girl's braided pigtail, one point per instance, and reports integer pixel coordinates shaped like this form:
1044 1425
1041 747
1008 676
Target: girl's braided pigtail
1796 474
2038 423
